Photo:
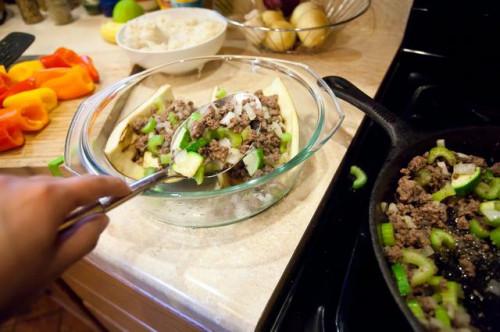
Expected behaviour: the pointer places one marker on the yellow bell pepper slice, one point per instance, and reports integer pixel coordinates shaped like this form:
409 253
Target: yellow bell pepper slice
24 70
46 96
2 69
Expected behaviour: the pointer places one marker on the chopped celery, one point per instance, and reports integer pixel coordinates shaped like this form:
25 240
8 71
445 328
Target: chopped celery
440 238
150 126
442 316
451 294
387 232
165 158
495 237
254 160
54 165
360 177
442 152
425 266
401 279
491 210
196 145
209 134
416 309
423 177
286 138
155 142
245 134
172 118
220 93
478 230
235 138
149 170
199 176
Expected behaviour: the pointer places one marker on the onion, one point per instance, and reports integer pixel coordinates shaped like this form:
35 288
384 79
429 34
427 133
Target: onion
225 142
392 208
287 6
462 168
233 156
443 167
493 287
250 112
440 142
383 206
427 251
277 129
409 221
226 120
265 109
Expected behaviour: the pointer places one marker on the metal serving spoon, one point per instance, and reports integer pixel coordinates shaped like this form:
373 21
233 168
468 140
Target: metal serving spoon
139 186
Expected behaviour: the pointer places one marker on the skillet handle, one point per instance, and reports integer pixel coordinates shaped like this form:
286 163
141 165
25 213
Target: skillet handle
399 132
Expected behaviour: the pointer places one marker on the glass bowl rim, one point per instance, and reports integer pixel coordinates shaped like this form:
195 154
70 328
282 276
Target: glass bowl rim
307 151
239 24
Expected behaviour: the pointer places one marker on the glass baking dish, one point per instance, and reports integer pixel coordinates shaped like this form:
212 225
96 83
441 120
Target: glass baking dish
184 203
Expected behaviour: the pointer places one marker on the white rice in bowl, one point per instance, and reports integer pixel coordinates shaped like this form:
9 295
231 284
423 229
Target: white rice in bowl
165 33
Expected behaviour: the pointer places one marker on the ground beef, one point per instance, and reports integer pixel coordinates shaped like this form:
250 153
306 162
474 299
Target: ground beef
214 151
438 178
410 191
181 108
467 266
141 143
462 223
238 123
496 169
430 214
393 253
465 207
197 129
416 164
428 303
137 124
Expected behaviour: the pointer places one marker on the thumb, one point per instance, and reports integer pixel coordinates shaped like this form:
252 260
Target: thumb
78 241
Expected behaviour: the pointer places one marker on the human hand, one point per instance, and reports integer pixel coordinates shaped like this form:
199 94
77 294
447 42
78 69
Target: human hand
32 253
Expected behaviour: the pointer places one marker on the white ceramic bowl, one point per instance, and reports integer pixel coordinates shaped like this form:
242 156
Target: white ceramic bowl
150 59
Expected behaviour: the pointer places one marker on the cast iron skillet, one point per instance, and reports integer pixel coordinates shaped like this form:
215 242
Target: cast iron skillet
407 143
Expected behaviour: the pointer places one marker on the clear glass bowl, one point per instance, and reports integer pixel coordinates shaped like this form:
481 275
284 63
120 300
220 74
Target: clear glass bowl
184 203
308 40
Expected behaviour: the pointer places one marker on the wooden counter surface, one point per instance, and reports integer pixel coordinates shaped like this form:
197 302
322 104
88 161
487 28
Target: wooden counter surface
220 278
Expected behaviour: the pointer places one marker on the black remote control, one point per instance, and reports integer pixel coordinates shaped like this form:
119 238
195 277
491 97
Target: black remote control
13 46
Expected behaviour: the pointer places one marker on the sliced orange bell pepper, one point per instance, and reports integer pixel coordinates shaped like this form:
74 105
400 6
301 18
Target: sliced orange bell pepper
75 83
25 85
10 137
45 95
45 75
30 117
64 57
2 69
24 70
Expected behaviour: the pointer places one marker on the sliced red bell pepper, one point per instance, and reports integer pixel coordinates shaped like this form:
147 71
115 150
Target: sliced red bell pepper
10 137
25 85
64 57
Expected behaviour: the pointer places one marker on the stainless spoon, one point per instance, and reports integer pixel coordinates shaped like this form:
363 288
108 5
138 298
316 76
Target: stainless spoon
139 186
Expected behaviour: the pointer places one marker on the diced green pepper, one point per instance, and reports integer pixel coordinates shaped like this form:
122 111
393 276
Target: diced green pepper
172 119
155 142
478 230
491 210
440 238
495 237
360 177
54 166
488 191
165 158
425 266
444 192
196 145
199 176
442 316
416 309
245 134
387 232
450 294
401 279
149 170
423 177
442 152
220 93
150 126
286 138
235 139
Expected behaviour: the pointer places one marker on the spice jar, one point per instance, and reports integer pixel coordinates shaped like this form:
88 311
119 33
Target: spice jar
29 11
59 11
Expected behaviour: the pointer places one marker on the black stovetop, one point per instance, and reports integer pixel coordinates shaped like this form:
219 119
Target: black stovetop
446 74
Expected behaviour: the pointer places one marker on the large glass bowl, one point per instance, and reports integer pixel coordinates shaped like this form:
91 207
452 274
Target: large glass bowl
184 203
307 39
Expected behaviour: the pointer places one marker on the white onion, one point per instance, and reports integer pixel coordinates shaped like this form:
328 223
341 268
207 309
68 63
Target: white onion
265 110
250 112
383 206
225 142
392 208
442 165
226 120
440 142
277 129
494 287
462 155
237 107
462 168
233 156
427 251
409 221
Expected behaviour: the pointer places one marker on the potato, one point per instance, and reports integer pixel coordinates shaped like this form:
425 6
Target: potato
301 9
280 41
254 36
271 16
311 19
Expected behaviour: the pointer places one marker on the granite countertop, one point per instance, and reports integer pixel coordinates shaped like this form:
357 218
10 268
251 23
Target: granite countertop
222 278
